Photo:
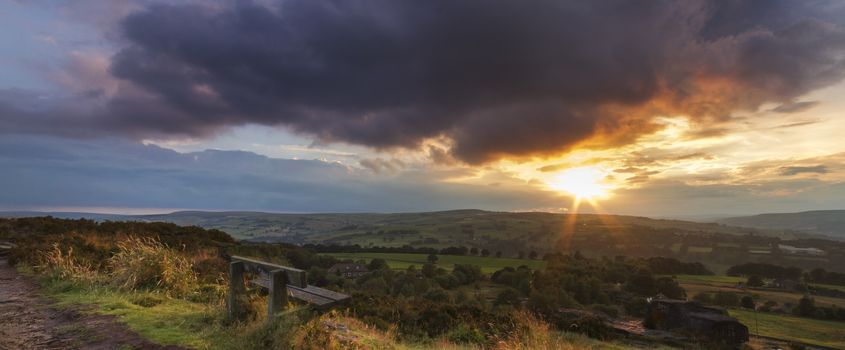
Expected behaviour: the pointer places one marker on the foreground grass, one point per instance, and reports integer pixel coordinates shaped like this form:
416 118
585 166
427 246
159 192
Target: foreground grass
401 261
805 330
199 326
169 321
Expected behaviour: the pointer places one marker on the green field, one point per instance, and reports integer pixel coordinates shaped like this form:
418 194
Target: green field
714 280
805 330
399 261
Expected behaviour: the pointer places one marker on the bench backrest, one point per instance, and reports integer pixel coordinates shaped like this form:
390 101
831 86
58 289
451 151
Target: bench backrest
296 277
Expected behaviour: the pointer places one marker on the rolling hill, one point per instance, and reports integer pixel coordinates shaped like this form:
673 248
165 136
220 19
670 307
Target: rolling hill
537 230
825 222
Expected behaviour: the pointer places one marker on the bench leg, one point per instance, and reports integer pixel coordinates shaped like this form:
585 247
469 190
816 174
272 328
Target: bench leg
277 299
236 288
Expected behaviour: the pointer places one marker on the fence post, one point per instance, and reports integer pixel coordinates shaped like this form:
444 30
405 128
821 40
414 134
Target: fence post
277 299
236 288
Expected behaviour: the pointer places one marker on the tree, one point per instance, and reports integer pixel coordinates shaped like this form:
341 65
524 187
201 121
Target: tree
642 283
532 255
432 258
669 287
755 281
485 253
473 251
377 264
806 307
499 254
429 270
747 302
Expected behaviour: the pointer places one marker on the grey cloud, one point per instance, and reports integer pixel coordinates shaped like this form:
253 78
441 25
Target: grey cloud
378 165
499 78
795 170
795 107
60 172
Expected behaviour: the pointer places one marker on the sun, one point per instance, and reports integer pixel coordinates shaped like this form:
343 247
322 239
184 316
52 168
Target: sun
583 183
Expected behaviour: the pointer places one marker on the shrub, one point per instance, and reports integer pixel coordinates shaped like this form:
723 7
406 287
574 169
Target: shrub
464 333
704 298
636 307
147 263
747 302
508 296
755 281
768 306
726 299
806 307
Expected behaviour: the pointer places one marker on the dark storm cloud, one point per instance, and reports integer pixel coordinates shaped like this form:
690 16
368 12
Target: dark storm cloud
498 78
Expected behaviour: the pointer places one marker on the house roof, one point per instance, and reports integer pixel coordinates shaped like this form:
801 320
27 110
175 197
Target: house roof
349 267
713 317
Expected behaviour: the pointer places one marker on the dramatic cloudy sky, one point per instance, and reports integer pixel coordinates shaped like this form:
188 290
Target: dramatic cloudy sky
672 107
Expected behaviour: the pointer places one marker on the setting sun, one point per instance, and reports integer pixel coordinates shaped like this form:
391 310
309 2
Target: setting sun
585 182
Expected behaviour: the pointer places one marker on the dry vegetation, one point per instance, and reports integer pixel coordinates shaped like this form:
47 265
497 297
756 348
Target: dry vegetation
167 285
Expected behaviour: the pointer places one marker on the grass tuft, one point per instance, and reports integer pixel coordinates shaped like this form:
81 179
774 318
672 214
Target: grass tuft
143 262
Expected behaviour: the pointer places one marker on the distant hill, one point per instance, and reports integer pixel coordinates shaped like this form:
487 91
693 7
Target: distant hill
468 227
825 222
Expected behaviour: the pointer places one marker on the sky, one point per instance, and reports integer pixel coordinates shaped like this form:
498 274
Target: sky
659 108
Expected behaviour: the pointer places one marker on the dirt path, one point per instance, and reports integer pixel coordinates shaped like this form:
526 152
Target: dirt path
28 321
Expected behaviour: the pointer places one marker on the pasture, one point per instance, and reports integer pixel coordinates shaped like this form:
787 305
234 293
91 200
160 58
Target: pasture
401 261
790 328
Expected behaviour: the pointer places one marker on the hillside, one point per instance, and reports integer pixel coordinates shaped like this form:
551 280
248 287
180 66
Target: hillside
825 222
434 229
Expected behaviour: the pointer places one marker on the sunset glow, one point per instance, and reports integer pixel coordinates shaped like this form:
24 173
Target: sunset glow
583 183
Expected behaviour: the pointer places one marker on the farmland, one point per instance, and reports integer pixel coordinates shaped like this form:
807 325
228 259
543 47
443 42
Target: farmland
399 261
809 331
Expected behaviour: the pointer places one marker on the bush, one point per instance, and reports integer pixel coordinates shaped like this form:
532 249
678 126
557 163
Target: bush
704 298
726 299
147 263
636 307
509 296
806 307
755 281
463 333
747 302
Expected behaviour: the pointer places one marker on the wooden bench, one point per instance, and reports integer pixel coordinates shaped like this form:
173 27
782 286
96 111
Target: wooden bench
6 246
279 281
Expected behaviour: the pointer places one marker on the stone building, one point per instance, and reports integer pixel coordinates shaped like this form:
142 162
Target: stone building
349 270
692 318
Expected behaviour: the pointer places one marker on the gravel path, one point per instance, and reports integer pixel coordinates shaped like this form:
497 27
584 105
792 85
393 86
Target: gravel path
29 321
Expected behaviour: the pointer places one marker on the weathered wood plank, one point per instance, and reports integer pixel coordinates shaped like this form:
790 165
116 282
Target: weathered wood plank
236 287
309 294
295 277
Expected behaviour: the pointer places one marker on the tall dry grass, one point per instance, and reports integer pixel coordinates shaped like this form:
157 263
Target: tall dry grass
143 262
64 264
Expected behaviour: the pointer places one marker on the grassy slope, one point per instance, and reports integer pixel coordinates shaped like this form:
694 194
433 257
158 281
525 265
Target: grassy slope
400 261
447 226
826 333
829 222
